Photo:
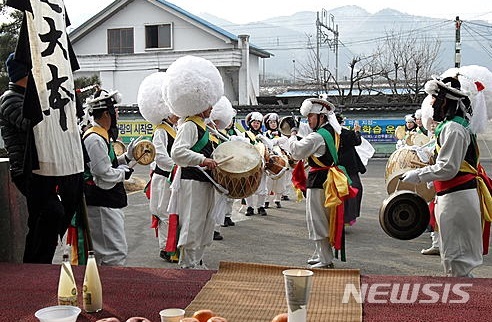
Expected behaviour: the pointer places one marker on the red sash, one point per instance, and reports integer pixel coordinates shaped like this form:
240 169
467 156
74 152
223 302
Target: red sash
456 181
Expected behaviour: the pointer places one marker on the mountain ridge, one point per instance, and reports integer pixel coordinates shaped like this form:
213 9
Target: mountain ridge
287 37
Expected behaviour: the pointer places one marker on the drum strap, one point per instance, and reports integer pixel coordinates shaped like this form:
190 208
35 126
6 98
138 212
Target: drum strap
251 136
202 142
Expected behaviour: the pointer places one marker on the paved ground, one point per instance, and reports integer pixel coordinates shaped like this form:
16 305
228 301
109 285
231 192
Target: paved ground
281 237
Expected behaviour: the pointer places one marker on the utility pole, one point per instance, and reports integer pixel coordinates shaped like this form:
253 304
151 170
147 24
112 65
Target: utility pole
322 25
318 33
457 48
294 62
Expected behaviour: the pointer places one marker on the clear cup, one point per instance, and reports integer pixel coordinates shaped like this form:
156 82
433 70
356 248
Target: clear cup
298 283
172 315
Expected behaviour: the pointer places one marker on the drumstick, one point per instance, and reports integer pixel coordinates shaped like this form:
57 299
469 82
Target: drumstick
225 159
141 156
418 163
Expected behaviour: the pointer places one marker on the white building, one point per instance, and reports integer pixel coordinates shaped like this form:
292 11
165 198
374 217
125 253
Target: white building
131 39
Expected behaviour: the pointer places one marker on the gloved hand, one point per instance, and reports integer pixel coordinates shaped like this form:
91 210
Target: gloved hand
127 169
411 176
280 141
298 121
239 138
267 142
130 147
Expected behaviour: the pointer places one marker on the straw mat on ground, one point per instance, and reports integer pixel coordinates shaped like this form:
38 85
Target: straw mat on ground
249 292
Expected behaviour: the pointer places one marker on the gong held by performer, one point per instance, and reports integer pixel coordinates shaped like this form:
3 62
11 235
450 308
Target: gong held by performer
104 175
463 200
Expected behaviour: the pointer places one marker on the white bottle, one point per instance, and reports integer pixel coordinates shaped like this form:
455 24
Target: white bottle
67 288
92 291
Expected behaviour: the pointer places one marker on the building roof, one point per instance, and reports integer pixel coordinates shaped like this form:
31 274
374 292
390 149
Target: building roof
334 92
117 5
282 110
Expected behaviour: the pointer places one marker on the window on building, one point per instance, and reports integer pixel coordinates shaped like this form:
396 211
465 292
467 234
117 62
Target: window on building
120 41
158 36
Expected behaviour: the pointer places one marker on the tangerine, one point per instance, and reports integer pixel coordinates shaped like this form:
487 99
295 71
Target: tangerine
203 315
282 317
188 320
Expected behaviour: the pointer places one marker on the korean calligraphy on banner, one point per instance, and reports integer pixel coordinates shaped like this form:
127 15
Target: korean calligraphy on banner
134 129
377 131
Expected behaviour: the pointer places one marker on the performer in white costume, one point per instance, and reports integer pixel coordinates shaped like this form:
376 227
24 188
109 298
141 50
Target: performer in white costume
195 85
276 187
104 176
457 174
221 117
154 109
315 147
255 135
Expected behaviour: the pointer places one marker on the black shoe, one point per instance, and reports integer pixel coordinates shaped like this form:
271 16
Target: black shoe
217 236
286 198
278 204
250 211
262 211
166 257
228 222
225 223
267 205
243 201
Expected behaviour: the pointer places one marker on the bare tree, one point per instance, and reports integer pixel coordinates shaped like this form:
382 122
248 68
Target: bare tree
306 69
406 60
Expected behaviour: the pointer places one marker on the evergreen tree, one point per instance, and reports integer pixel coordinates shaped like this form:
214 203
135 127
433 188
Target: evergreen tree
9 28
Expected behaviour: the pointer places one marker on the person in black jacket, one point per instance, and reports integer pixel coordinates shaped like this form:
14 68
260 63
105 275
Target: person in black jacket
348 157
13 125
51 200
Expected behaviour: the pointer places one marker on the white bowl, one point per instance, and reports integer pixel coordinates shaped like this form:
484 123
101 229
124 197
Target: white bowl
58 313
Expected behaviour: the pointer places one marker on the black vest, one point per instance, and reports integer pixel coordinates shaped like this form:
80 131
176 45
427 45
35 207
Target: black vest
192 173
95 196
170 142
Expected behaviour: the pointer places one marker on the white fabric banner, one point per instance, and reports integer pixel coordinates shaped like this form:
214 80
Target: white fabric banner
57 138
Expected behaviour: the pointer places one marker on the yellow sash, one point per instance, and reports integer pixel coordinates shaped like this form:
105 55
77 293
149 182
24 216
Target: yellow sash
335 187
166 127
201 123
483 191
99 130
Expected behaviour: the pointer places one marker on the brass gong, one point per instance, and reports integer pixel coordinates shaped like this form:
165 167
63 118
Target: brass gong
119 148
400 132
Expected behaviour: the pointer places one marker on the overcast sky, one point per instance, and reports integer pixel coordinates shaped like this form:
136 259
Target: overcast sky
255 10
